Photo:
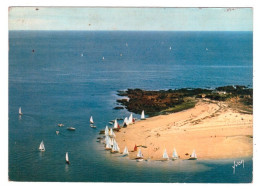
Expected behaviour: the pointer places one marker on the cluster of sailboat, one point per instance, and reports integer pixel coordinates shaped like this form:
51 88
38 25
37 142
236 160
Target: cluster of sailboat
110 140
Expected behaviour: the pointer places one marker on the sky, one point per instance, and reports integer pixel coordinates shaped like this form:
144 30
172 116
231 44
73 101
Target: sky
140 19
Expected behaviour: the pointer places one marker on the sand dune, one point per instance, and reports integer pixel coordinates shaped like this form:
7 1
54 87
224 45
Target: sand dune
213 129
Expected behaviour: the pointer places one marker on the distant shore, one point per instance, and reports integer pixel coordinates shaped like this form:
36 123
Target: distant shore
215 129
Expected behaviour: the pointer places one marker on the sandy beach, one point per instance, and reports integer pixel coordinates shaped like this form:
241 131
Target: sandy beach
213 129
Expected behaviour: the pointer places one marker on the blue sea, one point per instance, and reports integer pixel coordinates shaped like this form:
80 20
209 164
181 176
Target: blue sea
67 76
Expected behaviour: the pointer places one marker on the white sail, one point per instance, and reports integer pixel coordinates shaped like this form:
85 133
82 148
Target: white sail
165 155
170 47
174 154
42 147
20 111
142 115
126 121
91 120
115 124
108 145
115 146
125 151
193 155
139 155
106 131
67 157
130 120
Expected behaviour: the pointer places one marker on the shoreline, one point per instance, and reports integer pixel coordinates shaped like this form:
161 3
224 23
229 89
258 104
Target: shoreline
212 128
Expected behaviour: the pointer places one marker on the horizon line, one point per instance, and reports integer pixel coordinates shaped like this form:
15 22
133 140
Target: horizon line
141 30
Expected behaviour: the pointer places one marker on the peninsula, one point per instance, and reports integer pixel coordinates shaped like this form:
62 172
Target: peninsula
216 123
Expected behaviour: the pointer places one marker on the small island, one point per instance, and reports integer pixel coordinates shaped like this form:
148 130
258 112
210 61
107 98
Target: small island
217 123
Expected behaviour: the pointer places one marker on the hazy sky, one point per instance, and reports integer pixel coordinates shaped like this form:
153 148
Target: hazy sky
199 19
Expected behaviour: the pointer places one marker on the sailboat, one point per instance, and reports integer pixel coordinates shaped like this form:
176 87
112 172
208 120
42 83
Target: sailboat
170 48
115 124
111 133
125 123
91 120
67 158
125 153
20 111
130 120
108 145
165 155
142 115
140 156
175 155
103 58
115 147
42 147
193 156
106 131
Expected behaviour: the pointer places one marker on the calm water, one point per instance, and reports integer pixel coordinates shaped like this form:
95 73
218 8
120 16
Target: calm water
67 80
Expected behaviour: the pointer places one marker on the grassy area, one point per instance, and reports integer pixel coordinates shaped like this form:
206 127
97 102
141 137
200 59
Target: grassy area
187 104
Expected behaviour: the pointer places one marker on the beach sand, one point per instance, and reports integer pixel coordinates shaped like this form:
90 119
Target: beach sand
213 129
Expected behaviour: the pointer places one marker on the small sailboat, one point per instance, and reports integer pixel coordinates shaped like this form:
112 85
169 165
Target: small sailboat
67 158
170 48
165 155
108 145
92 126
130 119
193 156
71 128
126 44
140 156
207 49
91 120
142 115
82 55
42 147
125 153
115 148
175 155
111 133
57 132
60 125
103 58
106 131
115 124
125 123
20 111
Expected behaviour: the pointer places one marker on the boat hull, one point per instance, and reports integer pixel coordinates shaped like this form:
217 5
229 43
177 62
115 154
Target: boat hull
113 152
192 159
71 129
139 159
